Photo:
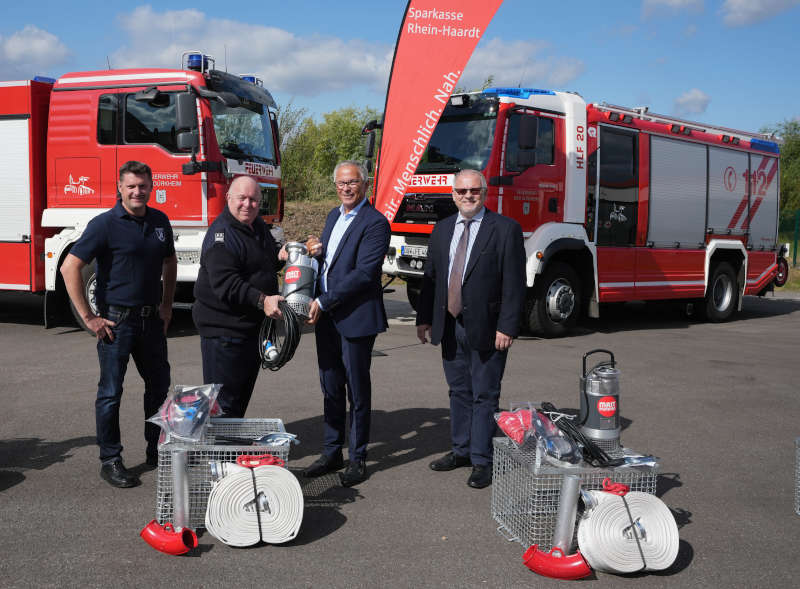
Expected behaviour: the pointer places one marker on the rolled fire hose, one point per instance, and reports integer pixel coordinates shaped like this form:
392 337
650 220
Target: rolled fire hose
627 534
249 505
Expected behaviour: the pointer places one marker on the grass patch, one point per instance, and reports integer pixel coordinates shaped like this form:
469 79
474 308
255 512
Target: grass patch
305 217
794 280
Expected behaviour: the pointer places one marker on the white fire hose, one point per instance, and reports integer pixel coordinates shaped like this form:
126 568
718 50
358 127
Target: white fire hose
248 505
627 534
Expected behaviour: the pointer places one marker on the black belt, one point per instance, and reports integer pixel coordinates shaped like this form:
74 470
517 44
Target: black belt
139 311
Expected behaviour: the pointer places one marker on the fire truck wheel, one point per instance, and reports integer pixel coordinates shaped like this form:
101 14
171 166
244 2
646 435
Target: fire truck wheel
720 302
554 302
89 280
783 272
413 288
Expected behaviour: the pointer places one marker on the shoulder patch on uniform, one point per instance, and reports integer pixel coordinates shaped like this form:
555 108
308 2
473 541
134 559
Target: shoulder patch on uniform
219 237
160 233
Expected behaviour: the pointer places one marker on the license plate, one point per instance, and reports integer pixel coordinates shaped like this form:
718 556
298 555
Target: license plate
414 251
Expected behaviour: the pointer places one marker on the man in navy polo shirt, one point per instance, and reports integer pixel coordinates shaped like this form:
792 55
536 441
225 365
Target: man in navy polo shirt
134 249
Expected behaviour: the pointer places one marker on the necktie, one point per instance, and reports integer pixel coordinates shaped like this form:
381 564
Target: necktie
457 273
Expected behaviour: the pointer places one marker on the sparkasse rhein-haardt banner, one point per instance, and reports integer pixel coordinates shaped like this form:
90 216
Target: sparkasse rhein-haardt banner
436 40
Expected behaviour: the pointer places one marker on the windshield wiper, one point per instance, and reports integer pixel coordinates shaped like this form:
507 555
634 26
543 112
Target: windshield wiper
232 150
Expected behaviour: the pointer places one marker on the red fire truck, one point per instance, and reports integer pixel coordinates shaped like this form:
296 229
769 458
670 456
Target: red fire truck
62 142
616 204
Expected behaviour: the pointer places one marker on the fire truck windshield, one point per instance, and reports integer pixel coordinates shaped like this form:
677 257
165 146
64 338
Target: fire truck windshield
462 139
244 132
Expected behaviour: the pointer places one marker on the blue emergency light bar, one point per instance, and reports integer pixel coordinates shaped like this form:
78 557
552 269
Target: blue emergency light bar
768 146
44 80
197 62
252 79
517 92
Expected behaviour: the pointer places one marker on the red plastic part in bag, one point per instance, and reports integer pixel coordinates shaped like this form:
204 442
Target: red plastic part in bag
515 424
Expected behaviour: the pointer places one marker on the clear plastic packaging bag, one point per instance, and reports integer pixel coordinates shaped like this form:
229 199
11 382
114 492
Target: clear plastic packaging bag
528 429
184 415
553 441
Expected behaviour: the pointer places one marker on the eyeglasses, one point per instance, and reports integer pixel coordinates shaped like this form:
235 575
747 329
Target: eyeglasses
346 183
473 191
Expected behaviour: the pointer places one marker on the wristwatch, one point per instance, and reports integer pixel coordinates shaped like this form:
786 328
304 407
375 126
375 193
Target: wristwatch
260 303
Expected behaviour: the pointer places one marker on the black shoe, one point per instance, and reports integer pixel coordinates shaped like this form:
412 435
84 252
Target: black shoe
481 476
355 473
323 465
116 475
450 461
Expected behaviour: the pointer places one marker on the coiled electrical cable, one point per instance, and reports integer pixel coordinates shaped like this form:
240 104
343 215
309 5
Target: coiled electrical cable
252 505
278 338
592 453
625 534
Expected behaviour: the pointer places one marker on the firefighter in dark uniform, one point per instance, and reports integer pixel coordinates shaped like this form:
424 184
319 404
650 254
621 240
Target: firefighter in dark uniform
236 287
135 252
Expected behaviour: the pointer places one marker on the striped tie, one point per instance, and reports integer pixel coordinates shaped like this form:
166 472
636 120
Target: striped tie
457 273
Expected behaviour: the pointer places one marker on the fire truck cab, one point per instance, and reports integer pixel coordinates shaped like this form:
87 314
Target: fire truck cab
616 204
64 140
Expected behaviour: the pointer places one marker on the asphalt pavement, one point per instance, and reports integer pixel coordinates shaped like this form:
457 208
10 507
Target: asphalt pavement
718 403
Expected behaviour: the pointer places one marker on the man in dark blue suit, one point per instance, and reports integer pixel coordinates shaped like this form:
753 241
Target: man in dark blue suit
471 301
349 314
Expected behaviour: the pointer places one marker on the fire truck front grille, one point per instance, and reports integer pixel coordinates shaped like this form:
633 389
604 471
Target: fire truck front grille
424 208
188 256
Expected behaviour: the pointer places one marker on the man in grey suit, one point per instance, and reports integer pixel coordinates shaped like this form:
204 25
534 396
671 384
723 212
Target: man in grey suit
471 301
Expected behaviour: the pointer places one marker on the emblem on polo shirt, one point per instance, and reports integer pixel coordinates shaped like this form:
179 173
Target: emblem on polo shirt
160 233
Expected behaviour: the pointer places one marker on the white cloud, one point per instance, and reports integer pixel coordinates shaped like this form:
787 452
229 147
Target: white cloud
737 13
291 64
692 102
650 7
513 63
29 52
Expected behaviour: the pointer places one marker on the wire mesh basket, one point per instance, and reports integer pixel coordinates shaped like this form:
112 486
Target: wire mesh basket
198 458
797 476
526 491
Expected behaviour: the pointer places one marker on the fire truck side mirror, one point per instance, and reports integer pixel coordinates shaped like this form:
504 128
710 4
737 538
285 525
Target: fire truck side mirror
187 141
186 121
501 181
369 146
186 112
528 132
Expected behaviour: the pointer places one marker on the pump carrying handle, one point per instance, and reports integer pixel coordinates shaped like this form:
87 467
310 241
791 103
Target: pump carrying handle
611 362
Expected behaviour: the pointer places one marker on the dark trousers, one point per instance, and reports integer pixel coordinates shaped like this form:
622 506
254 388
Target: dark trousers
474 381
234 363
142 338
344 365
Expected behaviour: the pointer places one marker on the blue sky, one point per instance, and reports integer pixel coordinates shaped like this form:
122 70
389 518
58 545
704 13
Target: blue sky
723 62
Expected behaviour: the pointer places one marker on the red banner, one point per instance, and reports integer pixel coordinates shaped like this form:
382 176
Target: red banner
436 40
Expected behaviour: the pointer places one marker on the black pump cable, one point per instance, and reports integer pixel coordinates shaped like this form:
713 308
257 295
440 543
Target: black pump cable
592 453
284 334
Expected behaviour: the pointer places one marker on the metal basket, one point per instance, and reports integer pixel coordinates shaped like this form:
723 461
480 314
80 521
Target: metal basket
526 489
797 476
198 457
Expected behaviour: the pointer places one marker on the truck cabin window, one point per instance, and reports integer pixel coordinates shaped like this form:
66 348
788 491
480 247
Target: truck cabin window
151 122
518 159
